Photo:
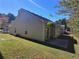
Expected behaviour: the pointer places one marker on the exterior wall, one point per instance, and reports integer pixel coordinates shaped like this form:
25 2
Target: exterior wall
27 22
57 30
54 31
51 31
12 28
1 24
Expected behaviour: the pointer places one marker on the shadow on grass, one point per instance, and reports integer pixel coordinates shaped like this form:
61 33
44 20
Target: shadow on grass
1 57
70 43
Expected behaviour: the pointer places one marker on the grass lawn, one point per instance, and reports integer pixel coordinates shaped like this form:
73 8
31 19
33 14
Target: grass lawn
12 47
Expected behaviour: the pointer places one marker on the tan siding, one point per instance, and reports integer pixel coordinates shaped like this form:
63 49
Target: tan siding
30 23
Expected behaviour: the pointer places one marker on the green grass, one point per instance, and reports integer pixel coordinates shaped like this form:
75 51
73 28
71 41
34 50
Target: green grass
17 48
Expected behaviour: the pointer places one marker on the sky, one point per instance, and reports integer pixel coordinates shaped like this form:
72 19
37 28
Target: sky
40 7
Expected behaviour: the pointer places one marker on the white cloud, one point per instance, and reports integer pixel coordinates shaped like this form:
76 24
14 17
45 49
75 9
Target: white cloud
36 4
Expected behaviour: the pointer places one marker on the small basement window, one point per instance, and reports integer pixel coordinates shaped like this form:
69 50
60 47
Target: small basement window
15 30
25 32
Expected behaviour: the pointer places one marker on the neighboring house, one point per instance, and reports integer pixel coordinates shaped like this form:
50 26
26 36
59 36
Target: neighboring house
30 25
4 22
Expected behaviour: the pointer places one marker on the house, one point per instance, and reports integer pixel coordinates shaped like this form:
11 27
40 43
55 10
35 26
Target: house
30 25
4 22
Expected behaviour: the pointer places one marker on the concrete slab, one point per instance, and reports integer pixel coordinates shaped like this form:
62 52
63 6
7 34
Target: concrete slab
59 42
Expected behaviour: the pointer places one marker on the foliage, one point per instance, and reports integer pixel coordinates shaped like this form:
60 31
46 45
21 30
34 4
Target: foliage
70 7
49 24
11 17
62 22
50 15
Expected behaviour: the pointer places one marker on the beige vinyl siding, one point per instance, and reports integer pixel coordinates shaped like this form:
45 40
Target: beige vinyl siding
26 21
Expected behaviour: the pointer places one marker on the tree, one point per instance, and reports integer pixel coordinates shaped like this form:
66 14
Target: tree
50 15
69 7
62 22
11 17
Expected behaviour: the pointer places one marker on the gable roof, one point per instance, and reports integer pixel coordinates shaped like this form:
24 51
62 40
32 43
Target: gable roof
36 15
